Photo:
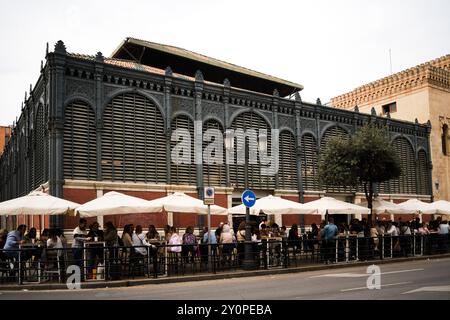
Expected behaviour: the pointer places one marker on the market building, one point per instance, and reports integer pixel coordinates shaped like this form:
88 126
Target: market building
93 124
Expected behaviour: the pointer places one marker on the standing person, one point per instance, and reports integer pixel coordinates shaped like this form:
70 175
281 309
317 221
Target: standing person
95 232
329 233
405 239
219 230
110 235
204 247
189 245
226 240
3 236
174 240
95 252
293 238
80 235
443 231
240 235
140 242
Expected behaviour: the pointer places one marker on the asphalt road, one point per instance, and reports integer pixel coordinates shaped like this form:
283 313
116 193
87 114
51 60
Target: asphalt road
426 279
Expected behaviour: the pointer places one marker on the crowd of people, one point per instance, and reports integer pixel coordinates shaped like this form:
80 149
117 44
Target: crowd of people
224 240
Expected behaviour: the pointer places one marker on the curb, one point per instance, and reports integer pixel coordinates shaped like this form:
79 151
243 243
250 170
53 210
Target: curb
217 276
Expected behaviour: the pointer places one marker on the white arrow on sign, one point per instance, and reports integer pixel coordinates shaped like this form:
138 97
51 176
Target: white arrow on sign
247 198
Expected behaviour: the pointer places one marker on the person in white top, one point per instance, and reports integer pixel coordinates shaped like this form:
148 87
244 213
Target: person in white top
443 228
443 231
391 230
175 239
140 242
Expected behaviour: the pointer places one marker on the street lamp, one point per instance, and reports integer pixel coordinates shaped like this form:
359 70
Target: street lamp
249 258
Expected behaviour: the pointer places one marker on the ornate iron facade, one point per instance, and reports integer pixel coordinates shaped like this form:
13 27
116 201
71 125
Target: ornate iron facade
89 119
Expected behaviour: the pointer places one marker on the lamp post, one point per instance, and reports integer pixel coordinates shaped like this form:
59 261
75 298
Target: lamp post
249 258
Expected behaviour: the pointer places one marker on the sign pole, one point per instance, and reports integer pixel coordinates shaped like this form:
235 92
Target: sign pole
209 237
208 199
248 199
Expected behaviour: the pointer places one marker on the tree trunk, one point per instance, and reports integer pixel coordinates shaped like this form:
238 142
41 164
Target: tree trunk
368 191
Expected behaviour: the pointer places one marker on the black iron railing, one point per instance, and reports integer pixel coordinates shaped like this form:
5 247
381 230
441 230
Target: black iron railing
97 262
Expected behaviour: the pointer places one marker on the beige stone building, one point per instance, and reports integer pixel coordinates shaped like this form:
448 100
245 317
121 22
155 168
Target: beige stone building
5 134
422 93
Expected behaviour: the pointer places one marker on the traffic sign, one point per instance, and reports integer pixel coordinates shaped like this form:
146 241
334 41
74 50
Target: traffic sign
248 198
208 195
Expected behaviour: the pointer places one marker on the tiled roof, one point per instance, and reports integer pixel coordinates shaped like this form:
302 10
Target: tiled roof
204 59
130 65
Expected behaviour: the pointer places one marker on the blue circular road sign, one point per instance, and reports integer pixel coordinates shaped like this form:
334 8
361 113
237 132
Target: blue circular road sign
248 198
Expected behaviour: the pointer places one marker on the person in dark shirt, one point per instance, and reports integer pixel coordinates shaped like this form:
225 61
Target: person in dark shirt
293 238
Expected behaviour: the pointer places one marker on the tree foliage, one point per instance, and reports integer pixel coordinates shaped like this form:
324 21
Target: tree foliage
364 159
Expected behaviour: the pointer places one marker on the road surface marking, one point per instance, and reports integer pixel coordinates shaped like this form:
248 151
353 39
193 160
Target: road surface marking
383 285
358 275
341 275
430 289
401 271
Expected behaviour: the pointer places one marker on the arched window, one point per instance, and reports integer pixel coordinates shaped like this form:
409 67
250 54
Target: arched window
445 138
38 164
424 173
80 151
133 140
287 173
330 133
406 183
309 162
214 174
245 121
183 173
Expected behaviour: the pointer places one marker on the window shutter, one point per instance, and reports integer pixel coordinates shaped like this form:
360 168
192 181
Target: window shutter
214 174
133 140
287 174
309 162
244 121
80 151
185 174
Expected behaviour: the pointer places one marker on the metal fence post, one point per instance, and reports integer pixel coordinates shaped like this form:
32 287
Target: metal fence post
391 247
421 245
337 249
357 249
347 248
20 267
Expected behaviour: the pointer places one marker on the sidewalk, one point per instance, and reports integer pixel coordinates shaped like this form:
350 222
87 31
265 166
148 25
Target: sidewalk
208 276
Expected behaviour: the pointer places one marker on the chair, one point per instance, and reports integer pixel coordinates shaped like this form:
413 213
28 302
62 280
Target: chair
52 266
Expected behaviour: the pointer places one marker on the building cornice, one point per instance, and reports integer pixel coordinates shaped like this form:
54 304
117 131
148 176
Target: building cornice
434 74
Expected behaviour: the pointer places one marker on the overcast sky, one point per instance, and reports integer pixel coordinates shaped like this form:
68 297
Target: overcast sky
330 47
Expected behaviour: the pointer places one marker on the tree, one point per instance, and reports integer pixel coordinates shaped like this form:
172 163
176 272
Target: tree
364 159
